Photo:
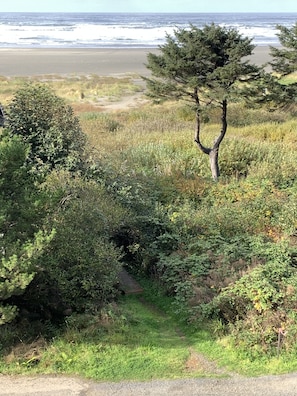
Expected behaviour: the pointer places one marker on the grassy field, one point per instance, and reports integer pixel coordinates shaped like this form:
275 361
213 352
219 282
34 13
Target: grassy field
141 337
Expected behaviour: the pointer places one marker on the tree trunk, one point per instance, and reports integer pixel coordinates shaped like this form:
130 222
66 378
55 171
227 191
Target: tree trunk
213 152
214 163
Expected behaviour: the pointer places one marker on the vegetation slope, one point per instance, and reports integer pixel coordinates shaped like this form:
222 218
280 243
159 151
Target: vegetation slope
221 256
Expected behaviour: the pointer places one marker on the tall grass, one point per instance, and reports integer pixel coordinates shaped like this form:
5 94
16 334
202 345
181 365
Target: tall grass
161 146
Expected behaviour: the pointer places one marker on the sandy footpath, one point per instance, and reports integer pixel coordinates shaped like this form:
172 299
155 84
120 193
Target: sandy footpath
281 385
32 62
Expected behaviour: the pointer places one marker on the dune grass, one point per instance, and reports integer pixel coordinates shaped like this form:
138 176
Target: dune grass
77 90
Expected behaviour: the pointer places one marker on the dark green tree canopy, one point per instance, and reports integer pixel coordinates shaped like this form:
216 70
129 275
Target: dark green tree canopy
19 196
272 90
285 57
48 126
208 58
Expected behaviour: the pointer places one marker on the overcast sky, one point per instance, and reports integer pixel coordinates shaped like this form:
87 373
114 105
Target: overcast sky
149 6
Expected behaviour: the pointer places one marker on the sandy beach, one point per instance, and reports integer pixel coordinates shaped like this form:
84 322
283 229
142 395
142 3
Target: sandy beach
34 62
29 62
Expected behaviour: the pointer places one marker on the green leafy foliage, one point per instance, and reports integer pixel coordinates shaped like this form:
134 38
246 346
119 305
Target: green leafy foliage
48 126
263 301
21 203
17 272
81 263
197 245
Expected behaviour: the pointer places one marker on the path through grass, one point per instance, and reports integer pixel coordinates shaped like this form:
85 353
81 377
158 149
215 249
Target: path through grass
136 340
145 344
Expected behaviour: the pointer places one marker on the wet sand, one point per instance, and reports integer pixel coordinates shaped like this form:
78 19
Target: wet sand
103 62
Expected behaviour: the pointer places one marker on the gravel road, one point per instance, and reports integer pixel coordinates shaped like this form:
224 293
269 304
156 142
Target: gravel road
280 385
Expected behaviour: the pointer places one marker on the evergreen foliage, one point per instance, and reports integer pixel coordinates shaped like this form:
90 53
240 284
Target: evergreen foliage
275 90
285 58
204 66
21 241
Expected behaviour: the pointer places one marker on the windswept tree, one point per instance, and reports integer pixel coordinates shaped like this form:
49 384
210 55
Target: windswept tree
285 57
206 67
284 62
277 90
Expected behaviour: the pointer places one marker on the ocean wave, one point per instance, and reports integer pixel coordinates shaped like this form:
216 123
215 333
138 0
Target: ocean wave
124 30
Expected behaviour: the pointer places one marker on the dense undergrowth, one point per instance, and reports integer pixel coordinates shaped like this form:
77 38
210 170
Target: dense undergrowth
223 253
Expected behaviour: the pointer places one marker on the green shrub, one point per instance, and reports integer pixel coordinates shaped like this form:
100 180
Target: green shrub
81 264
48 126
263 301
237 156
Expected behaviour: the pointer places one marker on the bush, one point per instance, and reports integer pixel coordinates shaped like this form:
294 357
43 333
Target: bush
48 126
263 301
81 263
237 157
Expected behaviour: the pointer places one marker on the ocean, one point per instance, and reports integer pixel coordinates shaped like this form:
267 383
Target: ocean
126 30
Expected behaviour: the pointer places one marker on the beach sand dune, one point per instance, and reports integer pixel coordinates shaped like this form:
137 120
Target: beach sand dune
35 62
